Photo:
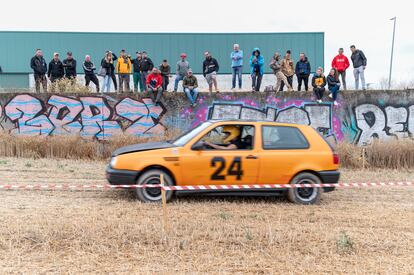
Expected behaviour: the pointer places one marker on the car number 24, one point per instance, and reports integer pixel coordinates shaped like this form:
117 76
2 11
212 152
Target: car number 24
234 169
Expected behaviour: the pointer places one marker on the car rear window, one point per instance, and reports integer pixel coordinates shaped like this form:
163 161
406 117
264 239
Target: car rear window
283 137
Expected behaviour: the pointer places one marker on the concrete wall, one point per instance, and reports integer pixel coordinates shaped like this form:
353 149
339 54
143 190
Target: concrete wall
360 117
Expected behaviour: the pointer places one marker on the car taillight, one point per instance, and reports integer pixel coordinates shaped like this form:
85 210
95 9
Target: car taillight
335 158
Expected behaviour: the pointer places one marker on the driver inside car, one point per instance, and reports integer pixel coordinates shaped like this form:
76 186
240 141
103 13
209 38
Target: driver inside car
232 139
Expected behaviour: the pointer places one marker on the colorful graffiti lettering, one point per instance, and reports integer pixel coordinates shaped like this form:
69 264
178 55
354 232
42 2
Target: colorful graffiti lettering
87 116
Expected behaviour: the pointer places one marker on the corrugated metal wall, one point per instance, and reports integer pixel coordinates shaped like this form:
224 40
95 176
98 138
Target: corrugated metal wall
16 48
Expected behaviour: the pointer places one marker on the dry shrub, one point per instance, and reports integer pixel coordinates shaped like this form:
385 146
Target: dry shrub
395 154
66 85
69 147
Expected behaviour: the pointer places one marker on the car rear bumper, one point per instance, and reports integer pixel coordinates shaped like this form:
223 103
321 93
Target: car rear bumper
121 177
329 177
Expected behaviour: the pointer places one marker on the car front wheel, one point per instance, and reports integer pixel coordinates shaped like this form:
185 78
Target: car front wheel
306 195
153 194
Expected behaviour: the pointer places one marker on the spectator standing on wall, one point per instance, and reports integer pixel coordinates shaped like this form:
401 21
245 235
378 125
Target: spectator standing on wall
136 64
154 85
182 68
55 71
280 77
287 69
319 83
210 70
107 65
303 70
165 70
256 69
38 64
70 67
333 85
89 70
190 85
341 64
236 65
360 63
1 70
146 67
124 68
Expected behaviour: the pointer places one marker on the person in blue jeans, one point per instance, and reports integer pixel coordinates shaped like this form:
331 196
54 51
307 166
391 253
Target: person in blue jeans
190 85
236 65
333 85
256 69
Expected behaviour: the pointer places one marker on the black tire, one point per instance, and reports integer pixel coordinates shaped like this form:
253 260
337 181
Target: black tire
152 176
305 196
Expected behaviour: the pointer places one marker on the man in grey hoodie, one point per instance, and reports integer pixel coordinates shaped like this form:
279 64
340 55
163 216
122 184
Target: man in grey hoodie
182 68
360 63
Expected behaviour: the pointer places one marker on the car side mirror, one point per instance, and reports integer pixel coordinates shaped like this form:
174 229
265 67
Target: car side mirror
198 146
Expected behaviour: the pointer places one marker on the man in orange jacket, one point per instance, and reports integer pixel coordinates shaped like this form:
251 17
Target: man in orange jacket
341 64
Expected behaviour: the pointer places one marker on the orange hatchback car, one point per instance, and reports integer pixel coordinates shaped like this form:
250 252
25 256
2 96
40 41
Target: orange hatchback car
231 152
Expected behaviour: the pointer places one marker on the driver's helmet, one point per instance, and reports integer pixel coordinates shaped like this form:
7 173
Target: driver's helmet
232 133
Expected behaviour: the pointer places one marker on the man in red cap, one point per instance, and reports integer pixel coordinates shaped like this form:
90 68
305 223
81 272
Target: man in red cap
182 68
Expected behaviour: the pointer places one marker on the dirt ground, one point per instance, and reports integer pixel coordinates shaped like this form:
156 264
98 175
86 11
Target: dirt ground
352 231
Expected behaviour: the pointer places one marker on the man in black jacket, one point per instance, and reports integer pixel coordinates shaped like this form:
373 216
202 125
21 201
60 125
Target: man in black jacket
89 69
210 70
55 71
38 64
70 67
303 70
146 67
360 63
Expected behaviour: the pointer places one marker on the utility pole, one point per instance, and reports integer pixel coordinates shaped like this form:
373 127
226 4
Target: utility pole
392 51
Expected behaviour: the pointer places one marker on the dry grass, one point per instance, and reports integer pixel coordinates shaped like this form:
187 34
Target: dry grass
351 231
395 154
69 147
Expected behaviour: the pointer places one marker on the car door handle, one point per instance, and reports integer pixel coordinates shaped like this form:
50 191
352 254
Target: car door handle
252 157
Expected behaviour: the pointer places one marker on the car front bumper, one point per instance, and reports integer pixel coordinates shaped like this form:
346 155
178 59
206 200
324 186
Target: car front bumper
329 177
121 177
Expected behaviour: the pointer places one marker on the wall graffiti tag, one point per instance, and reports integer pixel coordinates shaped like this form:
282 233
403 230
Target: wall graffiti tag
87 116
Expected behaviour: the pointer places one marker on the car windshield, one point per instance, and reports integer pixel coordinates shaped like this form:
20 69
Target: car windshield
186 137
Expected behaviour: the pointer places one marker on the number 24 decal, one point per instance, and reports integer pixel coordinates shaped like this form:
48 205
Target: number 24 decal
235 168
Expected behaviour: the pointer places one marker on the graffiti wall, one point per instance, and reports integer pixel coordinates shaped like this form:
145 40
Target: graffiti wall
359 118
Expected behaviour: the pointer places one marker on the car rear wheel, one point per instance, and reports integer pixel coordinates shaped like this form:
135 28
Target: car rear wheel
153 194
307 195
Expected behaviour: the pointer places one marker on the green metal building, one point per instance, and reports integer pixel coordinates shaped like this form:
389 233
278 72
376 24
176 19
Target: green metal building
16 48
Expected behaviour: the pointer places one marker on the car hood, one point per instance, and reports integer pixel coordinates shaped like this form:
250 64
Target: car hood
142 147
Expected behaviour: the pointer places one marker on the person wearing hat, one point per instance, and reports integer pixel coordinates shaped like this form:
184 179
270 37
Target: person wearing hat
210 70
111 65
70 67
124 69
190 85
182 68
55 71
136 64
165 70
232 137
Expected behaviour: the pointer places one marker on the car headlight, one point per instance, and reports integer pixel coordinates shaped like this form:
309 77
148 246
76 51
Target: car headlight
113 162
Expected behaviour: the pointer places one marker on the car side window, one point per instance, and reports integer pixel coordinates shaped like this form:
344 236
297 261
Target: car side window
283 137
217 136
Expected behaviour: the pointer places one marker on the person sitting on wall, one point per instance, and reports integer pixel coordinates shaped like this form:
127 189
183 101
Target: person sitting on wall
154 85
333 84
190 85
319 83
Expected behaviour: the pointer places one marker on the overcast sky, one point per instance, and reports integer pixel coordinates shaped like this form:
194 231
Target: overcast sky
364 23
